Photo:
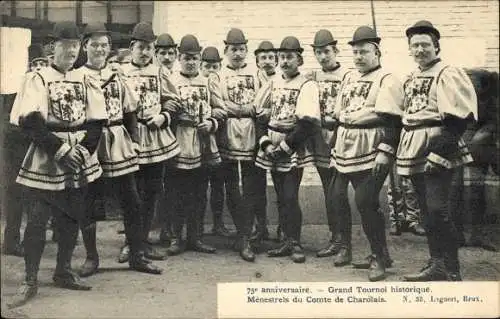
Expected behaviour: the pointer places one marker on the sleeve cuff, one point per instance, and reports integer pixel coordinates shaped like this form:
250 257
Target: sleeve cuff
85 152
284 146
386 148
264 142
215 124
167 118
62 151
436 159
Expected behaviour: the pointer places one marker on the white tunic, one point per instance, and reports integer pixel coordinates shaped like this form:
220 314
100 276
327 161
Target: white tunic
430 96
115 151
150 87
362 98
65 101
196 94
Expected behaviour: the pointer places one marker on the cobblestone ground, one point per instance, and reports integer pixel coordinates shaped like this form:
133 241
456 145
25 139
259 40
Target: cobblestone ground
187 289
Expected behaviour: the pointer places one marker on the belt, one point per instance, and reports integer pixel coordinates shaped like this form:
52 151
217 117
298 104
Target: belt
142 121
230 116
279 129
186 123
55 128
423 125
360 126
115 123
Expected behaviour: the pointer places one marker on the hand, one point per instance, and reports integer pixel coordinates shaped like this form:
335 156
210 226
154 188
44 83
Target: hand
431 168
329 122
277 153
382 162
219 113
74 160
155 121
205 127
269 149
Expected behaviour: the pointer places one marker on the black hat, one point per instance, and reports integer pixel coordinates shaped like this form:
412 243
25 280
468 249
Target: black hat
65 30
322 38
210 54
235 36
290 44
97 28
424 27
189 44
265 46
165 40
144 32
35 53
364 34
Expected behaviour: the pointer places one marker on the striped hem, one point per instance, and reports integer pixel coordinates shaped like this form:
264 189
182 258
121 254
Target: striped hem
115 172
275 166
195 162
323 161
359 161
407 167
59 182
159 155
237 155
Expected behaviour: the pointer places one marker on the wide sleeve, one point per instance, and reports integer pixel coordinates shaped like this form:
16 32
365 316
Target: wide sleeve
262 105
33 97
338 102
129 99
96 104
167 89
216 101
457 105
308 117
389 107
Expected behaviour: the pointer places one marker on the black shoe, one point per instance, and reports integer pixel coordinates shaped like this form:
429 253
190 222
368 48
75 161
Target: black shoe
366 263
377 268
395 229
175 247
70 281
166 237
124 254
153 254
246 253
454 276
416 229
332 249
297 255
433 271
201 247
25 293
286 249
343 257
15 250
221 230
89 267
140 264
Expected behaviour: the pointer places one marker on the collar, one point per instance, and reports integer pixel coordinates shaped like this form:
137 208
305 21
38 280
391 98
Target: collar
234 69
95 68
189 76
140 66
55 67
336 67
371 70
292 77
430 64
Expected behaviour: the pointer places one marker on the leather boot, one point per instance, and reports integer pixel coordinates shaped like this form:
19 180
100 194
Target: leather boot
297 255
343 257
166 235
70 281
286 249
377 268
433 271
153 254
91 263
25 293
416 229
124 254
246 252
175 247
138 263
218 227
201 247
366 263
395 229
331 250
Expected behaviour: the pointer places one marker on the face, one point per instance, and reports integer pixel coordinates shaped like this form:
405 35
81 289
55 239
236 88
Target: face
365 56
236 54
266 61
326 56
142 52
289 63
166 57
209 67
66 52
38 65
190 63
98 49
422 49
